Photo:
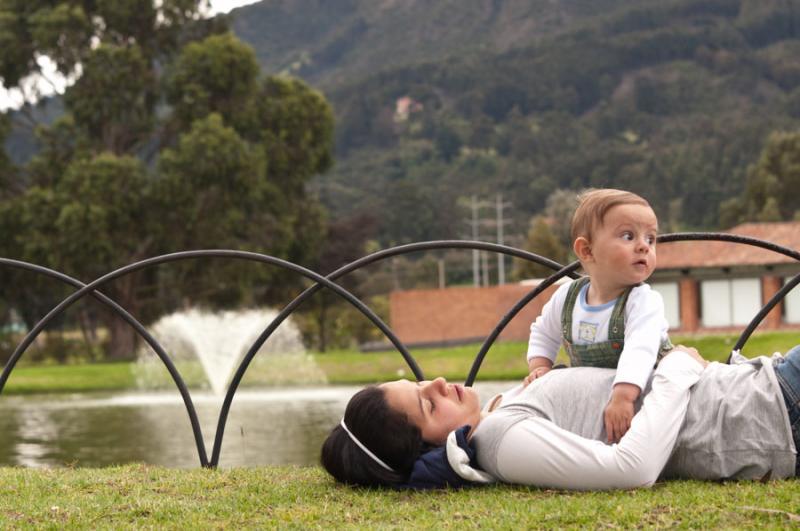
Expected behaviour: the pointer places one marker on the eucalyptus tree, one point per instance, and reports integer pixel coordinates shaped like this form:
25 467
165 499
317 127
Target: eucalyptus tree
171 139
772 182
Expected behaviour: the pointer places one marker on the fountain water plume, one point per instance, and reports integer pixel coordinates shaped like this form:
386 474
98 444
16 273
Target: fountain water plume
207 347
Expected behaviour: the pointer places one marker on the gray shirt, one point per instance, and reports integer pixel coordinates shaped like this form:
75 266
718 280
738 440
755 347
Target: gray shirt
727 421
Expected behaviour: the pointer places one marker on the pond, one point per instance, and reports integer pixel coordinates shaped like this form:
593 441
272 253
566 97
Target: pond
265 427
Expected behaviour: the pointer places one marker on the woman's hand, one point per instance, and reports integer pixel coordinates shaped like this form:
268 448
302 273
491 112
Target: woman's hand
692 352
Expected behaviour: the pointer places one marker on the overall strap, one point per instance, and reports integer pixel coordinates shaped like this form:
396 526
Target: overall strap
616 324
569 305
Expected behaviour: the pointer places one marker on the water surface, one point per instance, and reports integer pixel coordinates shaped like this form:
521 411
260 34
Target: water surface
270 426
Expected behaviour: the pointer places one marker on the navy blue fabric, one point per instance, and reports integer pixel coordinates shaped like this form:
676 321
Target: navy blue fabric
433 471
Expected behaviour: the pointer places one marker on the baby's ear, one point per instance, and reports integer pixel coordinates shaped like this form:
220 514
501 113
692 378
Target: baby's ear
582 248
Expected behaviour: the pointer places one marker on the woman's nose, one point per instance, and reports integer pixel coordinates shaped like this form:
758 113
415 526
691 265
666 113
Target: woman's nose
438 385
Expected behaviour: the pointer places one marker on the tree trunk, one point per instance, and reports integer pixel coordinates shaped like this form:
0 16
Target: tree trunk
122 338
322 322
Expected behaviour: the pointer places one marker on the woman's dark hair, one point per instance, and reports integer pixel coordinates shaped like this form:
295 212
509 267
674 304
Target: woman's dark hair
386 432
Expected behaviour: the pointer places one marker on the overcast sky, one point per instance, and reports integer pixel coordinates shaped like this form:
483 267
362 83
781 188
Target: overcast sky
13 98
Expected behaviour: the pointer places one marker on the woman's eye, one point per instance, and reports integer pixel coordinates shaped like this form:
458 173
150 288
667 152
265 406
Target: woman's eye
432 406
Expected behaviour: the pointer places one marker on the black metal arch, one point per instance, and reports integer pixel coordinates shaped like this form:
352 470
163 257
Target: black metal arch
746 240
141 330
92 286
664 238
348 268
560 271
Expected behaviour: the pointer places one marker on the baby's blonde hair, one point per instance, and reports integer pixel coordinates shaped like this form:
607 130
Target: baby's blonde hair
594 204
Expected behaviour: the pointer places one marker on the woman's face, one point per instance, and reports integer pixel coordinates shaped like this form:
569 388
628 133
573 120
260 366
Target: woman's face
435 407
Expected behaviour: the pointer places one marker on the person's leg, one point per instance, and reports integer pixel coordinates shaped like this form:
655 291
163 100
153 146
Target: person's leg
788 373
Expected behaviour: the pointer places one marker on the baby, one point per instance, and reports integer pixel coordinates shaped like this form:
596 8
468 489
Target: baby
608 318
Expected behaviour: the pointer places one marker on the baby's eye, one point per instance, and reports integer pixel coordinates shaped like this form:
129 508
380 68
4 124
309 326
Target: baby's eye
627 235
651 239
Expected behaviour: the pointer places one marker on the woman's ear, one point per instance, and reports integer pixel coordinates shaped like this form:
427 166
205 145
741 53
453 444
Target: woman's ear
582 249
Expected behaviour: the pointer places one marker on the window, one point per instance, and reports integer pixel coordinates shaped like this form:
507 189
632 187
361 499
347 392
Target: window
669 292
791 304
730 302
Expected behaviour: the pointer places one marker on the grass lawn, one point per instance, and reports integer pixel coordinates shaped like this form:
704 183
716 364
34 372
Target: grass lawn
304 497
505 361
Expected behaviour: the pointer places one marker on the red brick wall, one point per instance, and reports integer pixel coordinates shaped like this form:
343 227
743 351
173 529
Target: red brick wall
458 313
689 305
769 287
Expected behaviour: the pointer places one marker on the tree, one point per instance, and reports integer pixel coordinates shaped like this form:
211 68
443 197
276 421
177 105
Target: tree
560 206
6 167
542 241
122 176
772 182
345 241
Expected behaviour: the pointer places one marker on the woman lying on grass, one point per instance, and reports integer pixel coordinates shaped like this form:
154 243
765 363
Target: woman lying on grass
697 420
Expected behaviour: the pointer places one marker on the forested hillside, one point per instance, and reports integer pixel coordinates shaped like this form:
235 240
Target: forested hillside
673 99
670 98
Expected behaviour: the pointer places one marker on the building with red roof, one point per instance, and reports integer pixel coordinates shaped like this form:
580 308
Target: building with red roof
713 285
706 285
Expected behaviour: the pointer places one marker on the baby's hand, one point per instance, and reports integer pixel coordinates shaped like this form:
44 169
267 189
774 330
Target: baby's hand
618 417
538 372
619 411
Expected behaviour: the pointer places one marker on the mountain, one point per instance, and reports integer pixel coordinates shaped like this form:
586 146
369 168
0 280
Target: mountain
331 42
439 100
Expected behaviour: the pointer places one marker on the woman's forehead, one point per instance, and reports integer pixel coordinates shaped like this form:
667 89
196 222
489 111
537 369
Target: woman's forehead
403 395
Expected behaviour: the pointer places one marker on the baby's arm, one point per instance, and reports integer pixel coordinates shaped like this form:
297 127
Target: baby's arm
545 337
645 325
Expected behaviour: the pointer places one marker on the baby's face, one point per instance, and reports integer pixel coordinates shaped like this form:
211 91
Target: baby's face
624 246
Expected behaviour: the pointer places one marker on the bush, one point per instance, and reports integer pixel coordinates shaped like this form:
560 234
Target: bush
51 348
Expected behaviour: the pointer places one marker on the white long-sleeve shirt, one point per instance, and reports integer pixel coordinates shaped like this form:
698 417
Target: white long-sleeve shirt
516 444
645 330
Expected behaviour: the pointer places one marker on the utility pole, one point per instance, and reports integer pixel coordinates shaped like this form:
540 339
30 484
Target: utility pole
501 258
480 261
476 275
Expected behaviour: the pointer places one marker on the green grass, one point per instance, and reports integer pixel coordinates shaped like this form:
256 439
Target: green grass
505 361
71 378
305 497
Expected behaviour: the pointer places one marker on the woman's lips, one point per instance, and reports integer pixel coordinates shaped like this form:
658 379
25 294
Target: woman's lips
459 392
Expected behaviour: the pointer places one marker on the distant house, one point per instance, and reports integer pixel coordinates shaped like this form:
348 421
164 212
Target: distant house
706 286
404 107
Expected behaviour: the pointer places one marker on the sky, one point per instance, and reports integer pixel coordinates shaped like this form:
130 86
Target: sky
55 83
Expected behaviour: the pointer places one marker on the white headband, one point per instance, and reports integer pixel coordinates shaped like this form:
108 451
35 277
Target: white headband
366 450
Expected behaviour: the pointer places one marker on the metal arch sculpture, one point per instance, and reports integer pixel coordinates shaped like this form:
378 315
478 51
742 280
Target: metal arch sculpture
348 268
92 286
320 282
141 330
